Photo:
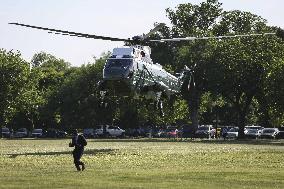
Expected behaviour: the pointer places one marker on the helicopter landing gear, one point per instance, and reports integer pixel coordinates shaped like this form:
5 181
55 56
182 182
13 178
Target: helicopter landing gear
159 104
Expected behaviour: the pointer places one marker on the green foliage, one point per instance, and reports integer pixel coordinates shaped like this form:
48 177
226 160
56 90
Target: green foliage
45 60
51 73
30 99
77 100
192 20
14 75
239 22
274 92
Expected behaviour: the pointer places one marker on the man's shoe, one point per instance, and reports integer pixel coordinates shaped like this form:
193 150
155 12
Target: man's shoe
83 167
78 168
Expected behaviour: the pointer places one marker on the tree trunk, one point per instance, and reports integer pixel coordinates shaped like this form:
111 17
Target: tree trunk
241 124
242 112
193 106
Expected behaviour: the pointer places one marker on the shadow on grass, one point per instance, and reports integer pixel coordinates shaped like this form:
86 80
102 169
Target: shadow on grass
86 152
36 139
243 141
196 140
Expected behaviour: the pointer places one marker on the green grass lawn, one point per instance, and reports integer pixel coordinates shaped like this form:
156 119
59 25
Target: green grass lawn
144 163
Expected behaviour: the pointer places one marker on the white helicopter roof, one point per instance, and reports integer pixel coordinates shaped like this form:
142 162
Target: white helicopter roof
131 50
123 51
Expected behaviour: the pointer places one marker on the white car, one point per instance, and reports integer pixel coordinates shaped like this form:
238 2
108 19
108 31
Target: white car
110 131
257 127
233 132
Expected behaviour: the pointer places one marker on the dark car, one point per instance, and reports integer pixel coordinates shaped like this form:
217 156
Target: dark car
5 132
61 134
89 133
54 133
22 132
269 133
187 131
253 133
205 131
37 133
50 133
280 135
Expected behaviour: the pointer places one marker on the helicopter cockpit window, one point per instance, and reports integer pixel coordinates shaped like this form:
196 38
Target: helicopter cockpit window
118 63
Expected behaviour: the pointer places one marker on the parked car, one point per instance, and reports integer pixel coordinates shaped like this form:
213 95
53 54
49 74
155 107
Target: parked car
205 131
160 133
50 133
5 132
253 133
54 133
155 132
109 130
22 132
256 127
224 130
172 133
61 134
89 133
37 133
269 133
233 132
281 133
187 131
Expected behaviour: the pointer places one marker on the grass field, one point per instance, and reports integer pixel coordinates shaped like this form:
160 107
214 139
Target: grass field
143 163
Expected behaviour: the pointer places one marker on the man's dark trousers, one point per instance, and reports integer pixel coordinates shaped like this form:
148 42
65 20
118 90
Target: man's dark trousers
77 154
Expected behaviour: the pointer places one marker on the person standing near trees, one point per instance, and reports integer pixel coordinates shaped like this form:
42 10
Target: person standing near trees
79 142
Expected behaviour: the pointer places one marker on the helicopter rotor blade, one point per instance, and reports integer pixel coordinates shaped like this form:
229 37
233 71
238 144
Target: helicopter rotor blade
76 34
206 38
154 30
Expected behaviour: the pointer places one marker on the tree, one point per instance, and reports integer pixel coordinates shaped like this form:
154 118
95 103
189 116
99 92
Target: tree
274 91
233 68
30 100
77 100
14 74
51 73
194 20
243 63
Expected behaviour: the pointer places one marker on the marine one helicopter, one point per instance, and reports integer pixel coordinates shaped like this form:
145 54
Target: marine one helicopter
130 71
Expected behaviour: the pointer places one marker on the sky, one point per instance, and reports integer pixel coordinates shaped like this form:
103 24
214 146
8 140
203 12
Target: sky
122 19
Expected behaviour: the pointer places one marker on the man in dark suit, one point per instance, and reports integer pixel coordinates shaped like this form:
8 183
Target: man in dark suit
78 141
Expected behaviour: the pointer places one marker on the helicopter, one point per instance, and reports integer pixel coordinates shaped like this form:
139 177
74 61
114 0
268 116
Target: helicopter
130 71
